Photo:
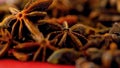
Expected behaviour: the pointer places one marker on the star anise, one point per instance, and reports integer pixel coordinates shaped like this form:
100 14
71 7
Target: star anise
20 22
5 41
104 41
38 49
67 37
113 36
93 41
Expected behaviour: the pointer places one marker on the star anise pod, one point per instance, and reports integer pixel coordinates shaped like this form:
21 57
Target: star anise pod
22 22
5 41
67 37
38 49
93 41
104 41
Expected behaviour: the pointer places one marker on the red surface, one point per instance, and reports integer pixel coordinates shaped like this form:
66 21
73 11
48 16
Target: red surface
8 63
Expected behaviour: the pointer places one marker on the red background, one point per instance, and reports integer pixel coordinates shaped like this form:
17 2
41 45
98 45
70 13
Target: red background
8 63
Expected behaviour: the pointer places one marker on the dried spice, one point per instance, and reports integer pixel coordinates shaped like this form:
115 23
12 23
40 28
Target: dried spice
21 19
68 34
44 44
99 59
61 31
5 41
104 41
35 48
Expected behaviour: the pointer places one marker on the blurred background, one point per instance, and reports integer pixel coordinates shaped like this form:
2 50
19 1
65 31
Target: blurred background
89 12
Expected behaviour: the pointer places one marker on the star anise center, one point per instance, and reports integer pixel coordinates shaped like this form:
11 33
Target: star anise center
21 15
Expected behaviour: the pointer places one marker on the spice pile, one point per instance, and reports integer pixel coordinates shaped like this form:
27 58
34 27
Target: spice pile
84 33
